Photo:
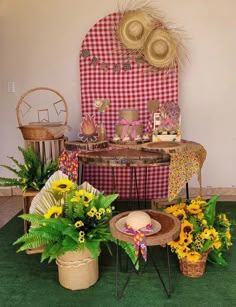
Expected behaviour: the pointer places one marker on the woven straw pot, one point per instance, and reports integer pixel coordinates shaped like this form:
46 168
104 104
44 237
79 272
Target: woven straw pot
77 270
194 269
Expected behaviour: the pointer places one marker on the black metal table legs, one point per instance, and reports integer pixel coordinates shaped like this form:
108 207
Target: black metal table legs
141 269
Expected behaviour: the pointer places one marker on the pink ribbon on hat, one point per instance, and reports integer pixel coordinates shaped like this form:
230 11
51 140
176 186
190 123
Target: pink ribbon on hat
140 241
126 124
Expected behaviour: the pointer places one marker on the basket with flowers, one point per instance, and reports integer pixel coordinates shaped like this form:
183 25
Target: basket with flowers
204 235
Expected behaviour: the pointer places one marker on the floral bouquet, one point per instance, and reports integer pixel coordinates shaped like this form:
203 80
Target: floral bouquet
65 217
202 230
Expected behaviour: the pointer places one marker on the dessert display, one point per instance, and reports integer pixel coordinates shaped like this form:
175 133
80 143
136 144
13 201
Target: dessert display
167 123
129 129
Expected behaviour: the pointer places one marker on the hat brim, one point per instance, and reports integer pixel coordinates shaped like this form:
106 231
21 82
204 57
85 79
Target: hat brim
121 226
160 49
134 28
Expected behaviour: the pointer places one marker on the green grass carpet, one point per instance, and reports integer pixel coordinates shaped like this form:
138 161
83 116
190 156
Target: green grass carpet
24 281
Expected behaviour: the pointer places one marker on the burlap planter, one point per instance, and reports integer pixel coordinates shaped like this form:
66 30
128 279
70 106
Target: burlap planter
77 270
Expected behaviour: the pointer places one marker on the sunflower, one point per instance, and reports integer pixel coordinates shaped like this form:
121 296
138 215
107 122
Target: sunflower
182 251
54 211
173 208
188 239
194 208
209 234
186 226
193 256
83 194
62 185
180 214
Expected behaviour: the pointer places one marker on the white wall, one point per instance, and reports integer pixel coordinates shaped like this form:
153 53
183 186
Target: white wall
40 43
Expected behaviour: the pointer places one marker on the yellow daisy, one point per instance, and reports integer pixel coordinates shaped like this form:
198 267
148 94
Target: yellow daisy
81 239
108 210
101 210
98 215
54 211
79 224
62 185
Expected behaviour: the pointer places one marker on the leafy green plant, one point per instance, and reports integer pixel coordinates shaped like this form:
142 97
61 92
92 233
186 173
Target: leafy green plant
32 174
71 218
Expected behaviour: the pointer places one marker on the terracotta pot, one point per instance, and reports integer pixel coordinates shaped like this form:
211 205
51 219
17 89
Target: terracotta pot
77 270
194 269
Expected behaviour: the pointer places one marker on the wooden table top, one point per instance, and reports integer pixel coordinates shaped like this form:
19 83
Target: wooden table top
124 157
170 228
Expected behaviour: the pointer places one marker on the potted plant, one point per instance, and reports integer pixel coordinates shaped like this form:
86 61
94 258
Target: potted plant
70 222
30 175
204 235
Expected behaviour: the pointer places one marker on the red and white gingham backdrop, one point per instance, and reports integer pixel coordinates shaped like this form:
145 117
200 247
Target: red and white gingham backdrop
103 75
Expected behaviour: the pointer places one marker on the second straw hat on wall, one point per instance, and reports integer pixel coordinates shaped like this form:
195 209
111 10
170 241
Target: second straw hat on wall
160 48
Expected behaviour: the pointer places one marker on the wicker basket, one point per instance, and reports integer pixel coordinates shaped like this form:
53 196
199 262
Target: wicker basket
194 269
41 131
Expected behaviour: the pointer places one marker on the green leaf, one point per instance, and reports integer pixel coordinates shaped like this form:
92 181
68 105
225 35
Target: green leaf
192 220
216 257
209 212
94 247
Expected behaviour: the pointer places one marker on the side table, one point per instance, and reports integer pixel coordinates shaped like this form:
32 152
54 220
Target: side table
170 229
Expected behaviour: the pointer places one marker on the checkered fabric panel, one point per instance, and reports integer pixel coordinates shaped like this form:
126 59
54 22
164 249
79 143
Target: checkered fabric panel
108 72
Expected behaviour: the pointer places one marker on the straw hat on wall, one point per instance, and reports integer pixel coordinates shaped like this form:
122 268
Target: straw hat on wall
160 48
134 27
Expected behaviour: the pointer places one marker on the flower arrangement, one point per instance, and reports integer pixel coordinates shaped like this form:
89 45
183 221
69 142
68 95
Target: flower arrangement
202 230
66 217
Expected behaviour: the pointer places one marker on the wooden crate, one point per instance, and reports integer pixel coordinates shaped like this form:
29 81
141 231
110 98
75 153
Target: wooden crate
27 199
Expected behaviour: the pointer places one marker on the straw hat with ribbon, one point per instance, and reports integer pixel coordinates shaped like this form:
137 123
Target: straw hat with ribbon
134 28
160 48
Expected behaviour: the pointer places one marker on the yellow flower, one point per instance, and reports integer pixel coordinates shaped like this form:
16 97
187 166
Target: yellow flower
82 194
217 244
81 239
108 210
193 256
200 216
98 215
79 224
180 214
92 212
204 222
173 208
182 251
228 235
209 234
186 227
188 238
194 208
101 210
54 211
81 233
224 218
62 185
